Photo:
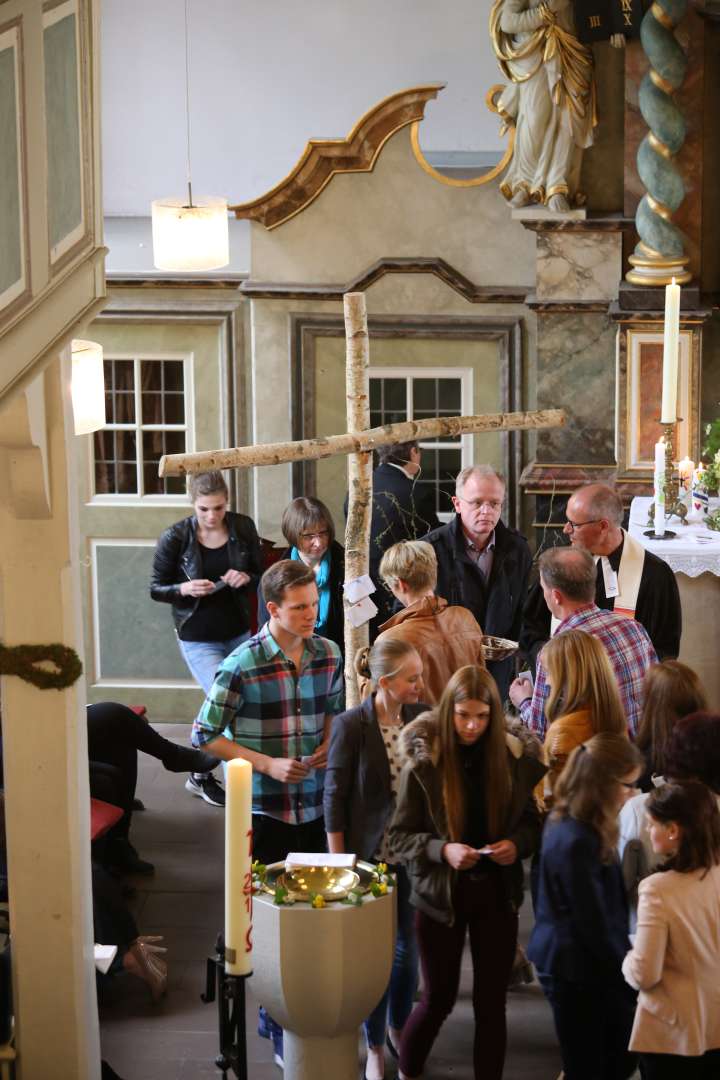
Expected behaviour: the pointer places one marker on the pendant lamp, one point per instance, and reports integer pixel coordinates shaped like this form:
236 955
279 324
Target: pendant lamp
87 386
190 235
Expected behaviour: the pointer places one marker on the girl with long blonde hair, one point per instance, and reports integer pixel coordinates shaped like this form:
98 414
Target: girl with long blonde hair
464 820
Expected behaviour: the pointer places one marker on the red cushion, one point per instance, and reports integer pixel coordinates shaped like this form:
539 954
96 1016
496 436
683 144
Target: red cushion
141 710
103 815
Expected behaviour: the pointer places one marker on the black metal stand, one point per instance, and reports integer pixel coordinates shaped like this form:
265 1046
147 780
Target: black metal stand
667 535
230 993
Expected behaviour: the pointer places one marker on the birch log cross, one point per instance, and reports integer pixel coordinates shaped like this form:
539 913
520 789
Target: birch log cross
358 444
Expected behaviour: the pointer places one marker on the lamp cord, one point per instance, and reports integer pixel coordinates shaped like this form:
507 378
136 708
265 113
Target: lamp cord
187 97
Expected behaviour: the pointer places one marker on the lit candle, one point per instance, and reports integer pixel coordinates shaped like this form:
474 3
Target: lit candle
670 354
660 488
238 867
685 471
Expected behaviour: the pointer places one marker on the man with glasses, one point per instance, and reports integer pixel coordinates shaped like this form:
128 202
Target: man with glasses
630 580
483 564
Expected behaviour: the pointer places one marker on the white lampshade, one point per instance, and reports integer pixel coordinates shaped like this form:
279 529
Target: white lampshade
190 237
87 387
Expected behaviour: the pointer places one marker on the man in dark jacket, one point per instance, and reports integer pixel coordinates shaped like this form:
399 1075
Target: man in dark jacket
399 512
482 564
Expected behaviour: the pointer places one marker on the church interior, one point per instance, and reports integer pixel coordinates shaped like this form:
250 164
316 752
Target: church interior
514 190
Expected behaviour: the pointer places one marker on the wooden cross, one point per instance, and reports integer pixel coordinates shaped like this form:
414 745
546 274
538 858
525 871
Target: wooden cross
358 444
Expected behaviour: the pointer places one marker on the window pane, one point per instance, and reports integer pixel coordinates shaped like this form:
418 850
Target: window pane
126 446
152 442
375 393
173 376
449 396
395 396
449 464
103 445
425 396
123 375
124 408
175 485
126 478
152 483
104 478
174 408
151 408
150 375
174 442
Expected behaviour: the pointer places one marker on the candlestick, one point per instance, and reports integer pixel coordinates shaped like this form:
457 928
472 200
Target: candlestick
670 353
659 523
238 867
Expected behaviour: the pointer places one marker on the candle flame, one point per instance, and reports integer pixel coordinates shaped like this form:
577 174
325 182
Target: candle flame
673 280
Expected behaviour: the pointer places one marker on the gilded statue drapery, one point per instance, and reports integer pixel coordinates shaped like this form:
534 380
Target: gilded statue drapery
550 100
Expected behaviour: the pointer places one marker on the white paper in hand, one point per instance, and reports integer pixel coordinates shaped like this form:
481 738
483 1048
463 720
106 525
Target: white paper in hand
358 588
362 612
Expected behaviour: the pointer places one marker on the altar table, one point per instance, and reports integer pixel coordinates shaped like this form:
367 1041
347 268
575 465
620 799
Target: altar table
694 556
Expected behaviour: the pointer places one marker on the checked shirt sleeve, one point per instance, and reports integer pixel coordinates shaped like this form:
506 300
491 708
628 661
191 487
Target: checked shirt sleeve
217 715
336 693
532 712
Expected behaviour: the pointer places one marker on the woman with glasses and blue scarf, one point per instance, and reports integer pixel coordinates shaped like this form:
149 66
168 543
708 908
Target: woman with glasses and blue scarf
308 527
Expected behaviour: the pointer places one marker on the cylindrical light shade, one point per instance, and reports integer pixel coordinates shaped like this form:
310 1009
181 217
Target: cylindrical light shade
87 387
190 237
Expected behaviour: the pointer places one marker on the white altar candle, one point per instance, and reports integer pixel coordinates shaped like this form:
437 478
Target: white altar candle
686 469
670 354
238 867
660 488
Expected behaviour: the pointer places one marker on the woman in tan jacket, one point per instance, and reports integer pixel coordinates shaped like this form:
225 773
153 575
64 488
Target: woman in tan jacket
447 637
675 960
584 698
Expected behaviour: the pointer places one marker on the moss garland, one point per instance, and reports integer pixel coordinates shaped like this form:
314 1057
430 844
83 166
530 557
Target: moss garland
22 660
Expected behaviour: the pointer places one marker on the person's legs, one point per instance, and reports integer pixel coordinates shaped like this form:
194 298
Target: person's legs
619 1002
440 947
493 935
591 1020
403 981
116 733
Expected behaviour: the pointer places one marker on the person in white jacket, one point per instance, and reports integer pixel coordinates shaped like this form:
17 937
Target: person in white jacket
675 960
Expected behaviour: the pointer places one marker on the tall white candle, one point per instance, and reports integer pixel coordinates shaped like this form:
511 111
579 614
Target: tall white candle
670 353
686 469
238 867
660 488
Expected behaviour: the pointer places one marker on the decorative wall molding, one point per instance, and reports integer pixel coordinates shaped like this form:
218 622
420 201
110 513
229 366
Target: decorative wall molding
454 279
507 332
323 158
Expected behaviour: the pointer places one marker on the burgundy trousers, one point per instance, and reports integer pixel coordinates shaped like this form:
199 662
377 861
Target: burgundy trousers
481 908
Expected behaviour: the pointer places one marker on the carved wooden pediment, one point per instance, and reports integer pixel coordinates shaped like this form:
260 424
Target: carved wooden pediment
323 158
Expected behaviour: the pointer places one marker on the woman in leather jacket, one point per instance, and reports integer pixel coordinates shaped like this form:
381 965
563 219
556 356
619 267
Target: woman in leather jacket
207 566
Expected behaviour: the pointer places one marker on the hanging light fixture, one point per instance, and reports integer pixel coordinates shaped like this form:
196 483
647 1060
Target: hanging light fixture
87 386
189 235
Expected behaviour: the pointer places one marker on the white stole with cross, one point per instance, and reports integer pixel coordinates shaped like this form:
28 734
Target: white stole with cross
630 571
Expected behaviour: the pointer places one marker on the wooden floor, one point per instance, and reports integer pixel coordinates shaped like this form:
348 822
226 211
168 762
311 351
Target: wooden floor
177 1039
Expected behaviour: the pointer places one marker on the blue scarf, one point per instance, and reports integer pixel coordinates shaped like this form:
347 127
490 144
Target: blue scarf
322 580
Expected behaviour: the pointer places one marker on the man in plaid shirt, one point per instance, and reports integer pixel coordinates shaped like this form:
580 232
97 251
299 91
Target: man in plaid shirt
568 577
272 703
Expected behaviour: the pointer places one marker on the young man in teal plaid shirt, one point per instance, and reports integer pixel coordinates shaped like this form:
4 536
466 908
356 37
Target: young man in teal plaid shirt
272 703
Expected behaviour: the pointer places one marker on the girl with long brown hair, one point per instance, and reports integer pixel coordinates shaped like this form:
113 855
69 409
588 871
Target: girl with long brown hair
580 935
584 698
465 818
671 690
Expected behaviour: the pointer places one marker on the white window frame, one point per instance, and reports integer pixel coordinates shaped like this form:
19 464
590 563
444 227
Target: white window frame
465 375
126 498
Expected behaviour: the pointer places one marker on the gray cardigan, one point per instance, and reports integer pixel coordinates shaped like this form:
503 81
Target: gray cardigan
358 800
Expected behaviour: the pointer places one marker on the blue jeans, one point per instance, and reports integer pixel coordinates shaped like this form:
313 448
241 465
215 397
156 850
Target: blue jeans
398 998
204 657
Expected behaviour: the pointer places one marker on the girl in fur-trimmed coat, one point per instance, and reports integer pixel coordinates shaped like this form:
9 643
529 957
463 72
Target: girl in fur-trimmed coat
465 818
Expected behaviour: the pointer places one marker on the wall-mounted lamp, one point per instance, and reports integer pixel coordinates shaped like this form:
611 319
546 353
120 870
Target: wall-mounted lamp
87 386
190 235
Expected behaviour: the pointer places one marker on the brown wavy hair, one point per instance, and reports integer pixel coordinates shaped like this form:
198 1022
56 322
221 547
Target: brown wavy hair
694 808
586 789
671 690
581 677
473 683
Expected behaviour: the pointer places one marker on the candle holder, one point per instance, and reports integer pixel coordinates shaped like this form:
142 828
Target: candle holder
674 506
229 990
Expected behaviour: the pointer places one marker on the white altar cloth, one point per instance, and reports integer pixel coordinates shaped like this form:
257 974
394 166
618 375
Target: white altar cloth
694 557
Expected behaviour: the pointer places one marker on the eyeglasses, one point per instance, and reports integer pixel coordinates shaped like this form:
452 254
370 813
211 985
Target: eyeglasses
573 525
477 504
321 535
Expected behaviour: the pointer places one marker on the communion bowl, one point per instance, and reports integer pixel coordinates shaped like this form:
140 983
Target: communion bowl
498 648
330 882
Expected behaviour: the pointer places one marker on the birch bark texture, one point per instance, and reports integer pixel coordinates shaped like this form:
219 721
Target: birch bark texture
357 530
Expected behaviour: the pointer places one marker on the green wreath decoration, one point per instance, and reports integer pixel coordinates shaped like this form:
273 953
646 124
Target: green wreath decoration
22 660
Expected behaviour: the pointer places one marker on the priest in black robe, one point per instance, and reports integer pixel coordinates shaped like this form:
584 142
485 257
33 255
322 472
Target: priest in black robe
594 521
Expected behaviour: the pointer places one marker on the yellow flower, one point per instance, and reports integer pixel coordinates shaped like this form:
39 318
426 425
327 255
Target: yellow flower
318 901
382 868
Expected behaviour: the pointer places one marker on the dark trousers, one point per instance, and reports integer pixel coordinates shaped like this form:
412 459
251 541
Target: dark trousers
675 1067
481 907
593 1022
273 839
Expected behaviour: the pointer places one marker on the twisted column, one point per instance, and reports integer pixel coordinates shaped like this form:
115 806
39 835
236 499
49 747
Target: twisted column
659 255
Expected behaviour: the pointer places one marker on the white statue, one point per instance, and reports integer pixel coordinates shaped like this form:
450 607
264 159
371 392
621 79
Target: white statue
550 99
